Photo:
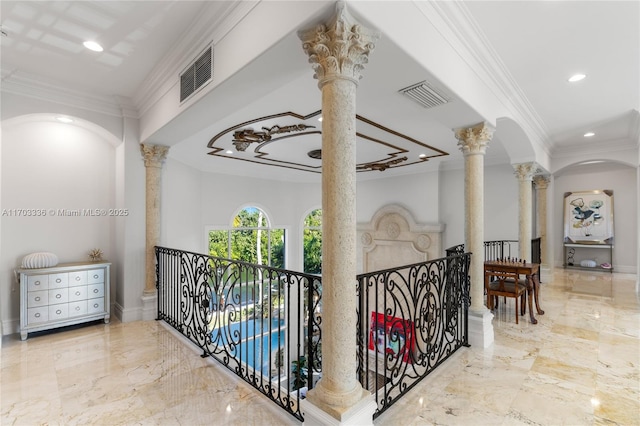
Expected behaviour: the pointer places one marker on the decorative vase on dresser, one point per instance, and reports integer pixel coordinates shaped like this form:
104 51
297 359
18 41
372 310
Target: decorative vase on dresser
63 295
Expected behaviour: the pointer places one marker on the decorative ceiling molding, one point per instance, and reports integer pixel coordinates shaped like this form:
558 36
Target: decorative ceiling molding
380 148
22 84
216 20
464 34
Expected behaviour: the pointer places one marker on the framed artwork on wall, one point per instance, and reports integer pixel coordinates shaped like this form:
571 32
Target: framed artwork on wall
588 217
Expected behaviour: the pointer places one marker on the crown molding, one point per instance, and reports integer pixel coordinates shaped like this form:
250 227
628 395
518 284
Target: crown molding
458 26
594 148
215 21
23 84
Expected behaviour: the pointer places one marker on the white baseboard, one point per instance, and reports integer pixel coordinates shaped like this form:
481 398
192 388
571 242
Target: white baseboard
127 315
10 327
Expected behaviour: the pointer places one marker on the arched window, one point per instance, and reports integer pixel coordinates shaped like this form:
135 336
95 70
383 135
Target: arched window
312 242
250 240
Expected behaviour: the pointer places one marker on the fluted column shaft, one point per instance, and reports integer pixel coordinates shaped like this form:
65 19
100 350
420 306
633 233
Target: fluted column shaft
525 172
542 183
338 52
154 156
472 142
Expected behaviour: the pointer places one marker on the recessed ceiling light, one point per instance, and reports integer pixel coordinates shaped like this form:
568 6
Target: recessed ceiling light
320 118
592 162
64 119
228 151
92 45
576 77
589 134
422 155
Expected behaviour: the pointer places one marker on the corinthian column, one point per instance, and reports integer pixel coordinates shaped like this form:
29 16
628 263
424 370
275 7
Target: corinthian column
338 51
524 172
154 156
542 183
473 141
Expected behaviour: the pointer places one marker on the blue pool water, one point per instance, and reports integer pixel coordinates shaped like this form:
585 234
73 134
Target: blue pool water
254 341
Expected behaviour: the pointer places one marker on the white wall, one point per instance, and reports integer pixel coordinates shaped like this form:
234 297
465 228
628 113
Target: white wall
623 183
500 204
418 193
129 268
181 209
52 166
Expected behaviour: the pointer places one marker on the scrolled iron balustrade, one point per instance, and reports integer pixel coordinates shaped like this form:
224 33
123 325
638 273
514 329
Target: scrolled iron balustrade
410 320
254 320
229 308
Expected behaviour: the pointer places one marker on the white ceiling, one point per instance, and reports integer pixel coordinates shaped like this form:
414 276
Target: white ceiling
541 43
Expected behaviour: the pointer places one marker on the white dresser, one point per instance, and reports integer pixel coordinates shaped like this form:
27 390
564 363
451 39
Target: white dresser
66 294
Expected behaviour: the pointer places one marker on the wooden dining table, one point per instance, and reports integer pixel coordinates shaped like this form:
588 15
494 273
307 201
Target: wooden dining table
530 271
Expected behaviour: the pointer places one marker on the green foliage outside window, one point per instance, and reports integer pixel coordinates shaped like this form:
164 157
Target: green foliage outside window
241 242
312 242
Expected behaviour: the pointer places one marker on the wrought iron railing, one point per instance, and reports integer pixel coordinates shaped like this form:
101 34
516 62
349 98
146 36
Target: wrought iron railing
410 320
261 323
264 324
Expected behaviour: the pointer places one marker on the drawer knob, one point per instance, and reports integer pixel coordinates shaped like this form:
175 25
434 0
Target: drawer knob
77 278
95 290
77 293
77 308
37 283
58 296
58 312
95 305
37 298
58 280
37 315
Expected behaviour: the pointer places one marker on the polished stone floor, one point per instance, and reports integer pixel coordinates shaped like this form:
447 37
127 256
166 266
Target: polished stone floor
580 365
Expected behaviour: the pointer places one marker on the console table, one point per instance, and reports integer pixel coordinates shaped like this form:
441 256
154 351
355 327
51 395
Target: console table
587 250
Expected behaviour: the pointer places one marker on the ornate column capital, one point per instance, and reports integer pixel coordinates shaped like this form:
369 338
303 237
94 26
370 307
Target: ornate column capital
338 49
474 140
525 171
153 155
541 181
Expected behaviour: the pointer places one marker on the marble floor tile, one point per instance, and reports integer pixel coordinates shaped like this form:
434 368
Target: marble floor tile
580 365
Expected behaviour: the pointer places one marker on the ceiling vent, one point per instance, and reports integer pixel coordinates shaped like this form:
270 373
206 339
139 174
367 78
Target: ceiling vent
425 95
197 74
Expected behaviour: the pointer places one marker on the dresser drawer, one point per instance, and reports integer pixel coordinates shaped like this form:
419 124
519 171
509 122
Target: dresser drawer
95 290
37 282
77 308
38 298
58 280
57 312
36 315
77 278
95 276
58 295
66 294
77 293
95 306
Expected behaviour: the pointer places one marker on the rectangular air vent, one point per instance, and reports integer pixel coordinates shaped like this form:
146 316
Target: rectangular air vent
425 95
197 74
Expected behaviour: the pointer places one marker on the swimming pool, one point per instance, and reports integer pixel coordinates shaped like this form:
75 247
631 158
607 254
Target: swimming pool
254 341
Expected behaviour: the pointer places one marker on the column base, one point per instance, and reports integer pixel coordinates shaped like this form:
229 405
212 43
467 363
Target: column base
359 414
546 274
481 328
149 306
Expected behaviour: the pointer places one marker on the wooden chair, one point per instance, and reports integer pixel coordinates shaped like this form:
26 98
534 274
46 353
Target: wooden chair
507 284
